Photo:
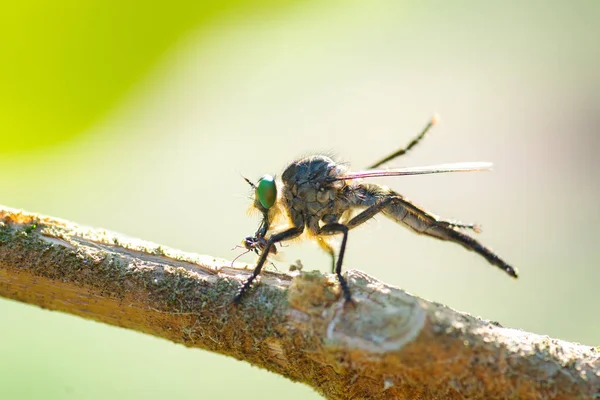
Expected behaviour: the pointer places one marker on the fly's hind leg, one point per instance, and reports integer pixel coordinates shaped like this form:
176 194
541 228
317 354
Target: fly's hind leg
424 223
445 232
394 206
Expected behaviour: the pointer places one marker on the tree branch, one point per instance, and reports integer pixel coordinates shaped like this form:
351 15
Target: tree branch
391 345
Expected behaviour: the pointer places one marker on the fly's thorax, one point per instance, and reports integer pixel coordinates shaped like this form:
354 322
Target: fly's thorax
309 190
314 168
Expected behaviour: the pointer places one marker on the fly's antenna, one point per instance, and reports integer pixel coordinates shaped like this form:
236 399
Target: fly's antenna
249 182
434 120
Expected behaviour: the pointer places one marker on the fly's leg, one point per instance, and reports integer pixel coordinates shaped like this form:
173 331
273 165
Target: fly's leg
264 225
457 224
445 233
285 235
402 211
405 150
381 199
331 229
327 247
424 223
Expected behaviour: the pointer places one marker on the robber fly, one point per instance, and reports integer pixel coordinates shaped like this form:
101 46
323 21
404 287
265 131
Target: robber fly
318 196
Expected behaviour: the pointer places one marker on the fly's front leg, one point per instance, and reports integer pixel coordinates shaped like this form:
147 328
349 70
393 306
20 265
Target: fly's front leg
258 242
264 226
285 235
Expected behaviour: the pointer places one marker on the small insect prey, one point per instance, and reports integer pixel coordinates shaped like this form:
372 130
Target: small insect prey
320 197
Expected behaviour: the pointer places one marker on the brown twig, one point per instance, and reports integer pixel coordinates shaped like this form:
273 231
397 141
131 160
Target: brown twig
391 345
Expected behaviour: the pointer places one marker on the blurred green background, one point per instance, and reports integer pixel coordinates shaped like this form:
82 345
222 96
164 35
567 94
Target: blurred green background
140 117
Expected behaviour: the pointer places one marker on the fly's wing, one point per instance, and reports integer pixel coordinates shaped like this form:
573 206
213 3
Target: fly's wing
279 257
430 169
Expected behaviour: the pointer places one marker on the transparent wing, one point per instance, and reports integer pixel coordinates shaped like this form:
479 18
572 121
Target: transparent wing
430 169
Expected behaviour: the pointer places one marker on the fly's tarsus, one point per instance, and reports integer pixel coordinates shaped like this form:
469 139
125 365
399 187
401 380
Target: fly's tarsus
285 235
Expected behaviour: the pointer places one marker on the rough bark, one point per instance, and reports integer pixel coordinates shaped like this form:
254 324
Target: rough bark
391 345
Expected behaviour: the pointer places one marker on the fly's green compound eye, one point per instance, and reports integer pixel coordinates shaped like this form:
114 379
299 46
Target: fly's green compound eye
266 191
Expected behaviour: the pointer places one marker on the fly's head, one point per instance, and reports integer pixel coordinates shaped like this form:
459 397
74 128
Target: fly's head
266 202
265 193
